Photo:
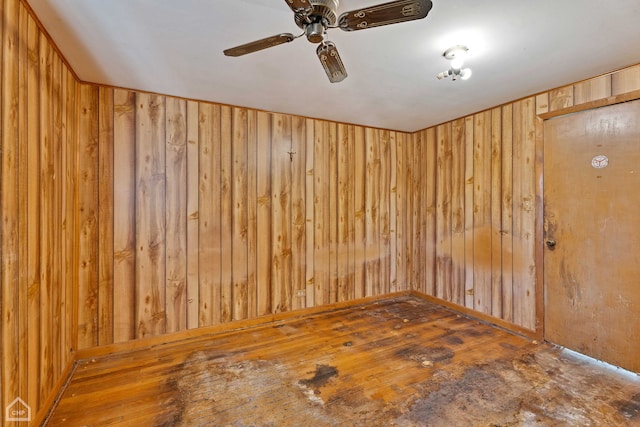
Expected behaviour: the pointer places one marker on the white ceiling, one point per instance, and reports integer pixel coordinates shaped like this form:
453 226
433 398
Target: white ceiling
516 48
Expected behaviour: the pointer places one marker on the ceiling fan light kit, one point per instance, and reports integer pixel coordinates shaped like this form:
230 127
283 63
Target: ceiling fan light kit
315 17
331 62
455 54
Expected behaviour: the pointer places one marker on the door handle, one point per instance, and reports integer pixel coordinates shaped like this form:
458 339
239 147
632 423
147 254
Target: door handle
551 243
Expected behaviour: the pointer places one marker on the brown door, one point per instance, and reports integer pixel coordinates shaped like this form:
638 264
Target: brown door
592 233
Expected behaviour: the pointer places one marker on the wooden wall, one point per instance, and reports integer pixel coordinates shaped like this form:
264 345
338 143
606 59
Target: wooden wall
194 214
479 210
37 193
478 200
208 213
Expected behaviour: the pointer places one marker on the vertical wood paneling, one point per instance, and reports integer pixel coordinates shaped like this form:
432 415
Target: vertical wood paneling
419 220
88 216
33 214
321 214
349 214
105 216
263 185
215 195
426 175
342 208
35 359
442 213
360 242
468 211
71 188
525 256
518 197
482 212
150 215
402 140
38 202
252 215
489 229
394 286
226 215
298 212
47 211
281 212
124 220
409 150
176 214
209 214
496 212
457 211
9 249
537 308
309 184
372 212
239 224
424 210
385 196
21 54
56 235
333 212
193 214
67 152
506 226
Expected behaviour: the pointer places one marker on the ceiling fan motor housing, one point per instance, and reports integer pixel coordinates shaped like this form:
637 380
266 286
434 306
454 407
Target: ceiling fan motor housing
323 14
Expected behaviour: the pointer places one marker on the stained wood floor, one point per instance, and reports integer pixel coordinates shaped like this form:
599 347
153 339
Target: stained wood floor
397 362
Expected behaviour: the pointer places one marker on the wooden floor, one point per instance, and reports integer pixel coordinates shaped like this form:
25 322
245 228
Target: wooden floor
398 362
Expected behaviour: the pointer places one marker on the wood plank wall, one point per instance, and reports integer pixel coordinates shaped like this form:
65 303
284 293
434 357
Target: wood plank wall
209 213
126 214
194 214
38 179
480 199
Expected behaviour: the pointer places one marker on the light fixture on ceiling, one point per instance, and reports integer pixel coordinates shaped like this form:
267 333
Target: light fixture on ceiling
455 54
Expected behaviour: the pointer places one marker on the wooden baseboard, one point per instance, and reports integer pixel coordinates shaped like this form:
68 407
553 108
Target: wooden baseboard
295 314
48 405
238 325
508 326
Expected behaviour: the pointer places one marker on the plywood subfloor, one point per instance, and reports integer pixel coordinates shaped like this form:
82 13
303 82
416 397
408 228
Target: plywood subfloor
402 362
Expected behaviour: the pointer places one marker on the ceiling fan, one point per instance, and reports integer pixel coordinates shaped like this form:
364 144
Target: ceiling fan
315 17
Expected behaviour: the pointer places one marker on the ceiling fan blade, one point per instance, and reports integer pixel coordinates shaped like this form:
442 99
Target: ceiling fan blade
259 44
300 6
384 14
331 62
